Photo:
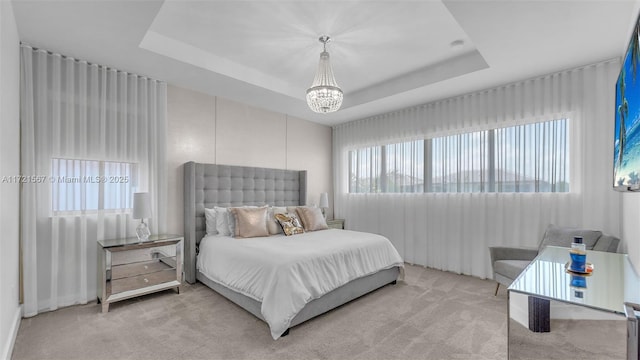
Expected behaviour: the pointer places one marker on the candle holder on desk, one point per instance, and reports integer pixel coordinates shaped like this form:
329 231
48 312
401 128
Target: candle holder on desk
578 255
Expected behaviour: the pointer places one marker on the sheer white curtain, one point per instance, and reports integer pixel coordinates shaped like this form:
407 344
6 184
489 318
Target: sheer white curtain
452 231
90 136
521 158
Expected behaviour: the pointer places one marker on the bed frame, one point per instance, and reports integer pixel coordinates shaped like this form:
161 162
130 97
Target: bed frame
209 185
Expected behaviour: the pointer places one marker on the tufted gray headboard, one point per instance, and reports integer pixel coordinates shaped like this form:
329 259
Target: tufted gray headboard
209 185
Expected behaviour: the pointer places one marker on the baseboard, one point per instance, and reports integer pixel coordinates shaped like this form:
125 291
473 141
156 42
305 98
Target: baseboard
7 348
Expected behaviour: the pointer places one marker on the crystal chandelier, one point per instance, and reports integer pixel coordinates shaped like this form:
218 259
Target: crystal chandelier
324 95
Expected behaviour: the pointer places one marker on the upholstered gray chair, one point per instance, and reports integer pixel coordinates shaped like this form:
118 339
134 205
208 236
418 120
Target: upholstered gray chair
508 262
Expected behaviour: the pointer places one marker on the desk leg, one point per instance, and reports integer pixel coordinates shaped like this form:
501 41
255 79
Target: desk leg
539 314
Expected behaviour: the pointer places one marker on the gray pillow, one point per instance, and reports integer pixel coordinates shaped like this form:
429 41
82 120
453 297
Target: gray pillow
563 236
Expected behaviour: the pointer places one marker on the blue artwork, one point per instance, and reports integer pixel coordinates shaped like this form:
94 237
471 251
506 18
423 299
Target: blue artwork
626 152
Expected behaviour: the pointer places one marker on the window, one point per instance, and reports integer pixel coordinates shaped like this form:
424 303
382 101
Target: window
523 158
404 167
460 163
396 168
365 170
532 158
87 185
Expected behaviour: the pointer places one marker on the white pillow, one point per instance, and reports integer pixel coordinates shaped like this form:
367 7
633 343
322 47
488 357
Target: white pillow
210 221
222 221
272 224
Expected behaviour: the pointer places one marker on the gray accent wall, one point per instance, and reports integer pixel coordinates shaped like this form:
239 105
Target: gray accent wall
214 130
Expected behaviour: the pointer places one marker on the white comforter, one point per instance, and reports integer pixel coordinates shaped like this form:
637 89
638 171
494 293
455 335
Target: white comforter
287 272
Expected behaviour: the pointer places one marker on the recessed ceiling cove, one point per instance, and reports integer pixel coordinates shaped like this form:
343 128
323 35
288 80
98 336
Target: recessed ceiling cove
378 49
386 54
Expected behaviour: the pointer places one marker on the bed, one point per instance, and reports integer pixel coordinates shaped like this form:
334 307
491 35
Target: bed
209 185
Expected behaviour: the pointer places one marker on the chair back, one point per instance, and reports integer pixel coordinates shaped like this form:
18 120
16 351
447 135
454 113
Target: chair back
563 236
607 243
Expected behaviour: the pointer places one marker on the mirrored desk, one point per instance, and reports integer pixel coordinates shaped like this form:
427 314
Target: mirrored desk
555 315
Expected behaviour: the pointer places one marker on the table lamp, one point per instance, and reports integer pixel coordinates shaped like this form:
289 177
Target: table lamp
324 203
142 210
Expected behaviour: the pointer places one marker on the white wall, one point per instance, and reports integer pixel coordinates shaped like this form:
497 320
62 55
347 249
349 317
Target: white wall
215 130
9 166
630 229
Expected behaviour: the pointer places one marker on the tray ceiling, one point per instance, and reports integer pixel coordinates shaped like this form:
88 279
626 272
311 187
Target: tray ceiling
386 54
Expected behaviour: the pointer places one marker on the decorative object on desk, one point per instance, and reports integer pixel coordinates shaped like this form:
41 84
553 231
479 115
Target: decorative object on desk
324 203
588 269
578 255
142 210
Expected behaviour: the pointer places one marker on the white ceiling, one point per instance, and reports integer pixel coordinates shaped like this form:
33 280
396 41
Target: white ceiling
386 54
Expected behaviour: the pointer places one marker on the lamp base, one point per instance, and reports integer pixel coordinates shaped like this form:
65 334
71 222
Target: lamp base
142 231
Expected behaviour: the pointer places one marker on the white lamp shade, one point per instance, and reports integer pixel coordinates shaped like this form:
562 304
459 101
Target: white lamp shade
324 200
141 205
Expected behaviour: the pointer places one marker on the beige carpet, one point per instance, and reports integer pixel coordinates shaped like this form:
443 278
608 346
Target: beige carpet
433 315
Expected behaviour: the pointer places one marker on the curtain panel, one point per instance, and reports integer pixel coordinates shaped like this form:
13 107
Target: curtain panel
452 231
82 119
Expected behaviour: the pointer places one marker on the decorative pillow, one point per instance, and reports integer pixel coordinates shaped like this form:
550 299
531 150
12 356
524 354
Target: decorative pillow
272 224
232 219
250 221
290 223
210 221
293 209
222 221
312 218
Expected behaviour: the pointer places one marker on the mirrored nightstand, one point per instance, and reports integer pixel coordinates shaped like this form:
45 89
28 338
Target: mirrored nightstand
336 224
128 268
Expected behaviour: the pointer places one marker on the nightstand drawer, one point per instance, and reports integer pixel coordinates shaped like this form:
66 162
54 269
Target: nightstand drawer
141 281
141 255
141 268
